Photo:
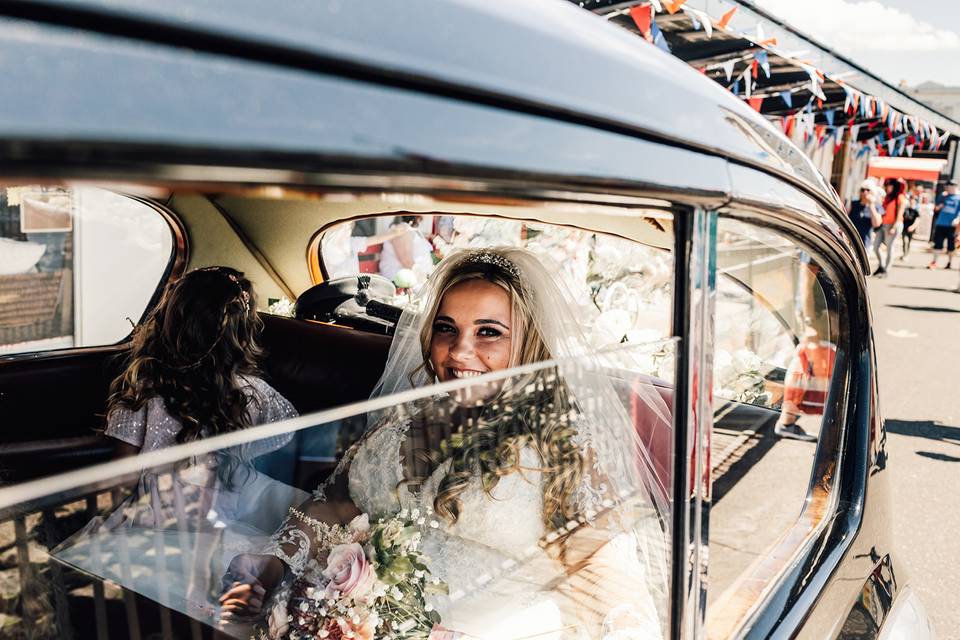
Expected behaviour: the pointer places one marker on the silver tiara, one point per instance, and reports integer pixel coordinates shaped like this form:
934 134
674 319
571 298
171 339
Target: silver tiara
495 259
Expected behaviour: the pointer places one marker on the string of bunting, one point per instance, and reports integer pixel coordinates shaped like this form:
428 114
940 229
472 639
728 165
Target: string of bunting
915 132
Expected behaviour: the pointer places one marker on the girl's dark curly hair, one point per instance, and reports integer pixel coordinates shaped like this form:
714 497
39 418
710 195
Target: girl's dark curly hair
190 352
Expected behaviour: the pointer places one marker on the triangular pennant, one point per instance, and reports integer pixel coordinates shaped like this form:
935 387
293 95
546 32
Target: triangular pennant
854 132
642 17
848 101
725 18
891 144
787 98
672 6
764 61
657 7
760 34
736 87
705 21
829 115
693 18
658 38
756 102
728 67
838 132
753 67
910 150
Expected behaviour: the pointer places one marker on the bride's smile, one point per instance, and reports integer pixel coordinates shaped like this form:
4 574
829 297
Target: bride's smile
471 331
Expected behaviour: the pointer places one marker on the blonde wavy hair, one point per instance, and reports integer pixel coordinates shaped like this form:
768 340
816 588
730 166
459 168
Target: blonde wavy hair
527 410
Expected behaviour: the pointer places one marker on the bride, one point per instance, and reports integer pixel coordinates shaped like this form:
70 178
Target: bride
548 522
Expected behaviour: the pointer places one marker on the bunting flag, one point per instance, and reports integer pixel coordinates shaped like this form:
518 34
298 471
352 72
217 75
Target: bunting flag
854 132
725 18
764 61
736 88
891 144
753 67
642 17
910 150
838 132
693 18
829 115
848 101
756 102
787 98
728 67
658 38
672 6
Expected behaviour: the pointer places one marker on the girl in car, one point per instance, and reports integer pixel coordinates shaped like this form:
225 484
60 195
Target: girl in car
192 370
543 497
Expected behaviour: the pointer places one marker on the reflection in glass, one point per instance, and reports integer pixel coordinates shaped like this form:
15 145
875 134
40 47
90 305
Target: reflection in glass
514 539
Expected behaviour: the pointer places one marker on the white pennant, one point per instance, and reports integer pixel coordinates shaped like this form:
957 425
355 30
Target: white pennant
854 132
890 146
728 67
705 20
910 150
657 6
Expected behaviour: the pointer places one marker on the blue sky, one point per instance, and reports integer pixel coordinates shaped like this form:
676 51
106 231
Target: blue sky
912 40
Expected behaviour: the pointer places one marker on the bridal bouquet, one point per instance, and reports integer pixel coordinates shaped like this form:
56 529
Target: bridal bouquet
370 580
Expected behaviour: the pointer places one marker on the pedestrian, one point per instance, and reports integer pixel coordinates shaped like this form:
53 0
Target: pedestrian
894 204
863 213
911 220
945 226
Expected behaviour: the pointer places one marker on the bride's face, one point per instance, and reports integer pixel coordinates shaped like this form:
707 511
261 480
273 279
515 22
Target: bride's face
472 331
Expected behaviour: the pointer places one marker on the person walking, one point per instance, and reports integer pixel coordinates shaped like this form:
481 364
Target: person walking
893 206
945 225
863 213
911 220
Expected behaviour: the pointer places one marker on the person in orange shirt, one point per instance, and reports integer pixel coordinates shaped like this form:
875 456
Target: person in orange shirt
886 234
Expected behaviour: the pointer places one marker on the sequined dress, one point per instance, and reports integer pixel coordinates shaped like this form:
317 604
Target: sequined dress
173 537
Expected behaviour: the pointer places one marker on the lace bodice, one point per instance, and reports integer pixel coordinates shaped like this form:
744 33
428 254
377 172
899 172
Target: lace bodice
501 581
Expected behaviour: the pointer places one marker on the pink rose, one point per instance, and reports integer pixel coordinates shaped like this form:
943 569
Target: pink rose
349 572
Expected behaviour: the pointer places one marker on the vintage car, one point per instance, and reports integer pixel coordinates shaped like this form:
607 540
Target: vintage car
338 153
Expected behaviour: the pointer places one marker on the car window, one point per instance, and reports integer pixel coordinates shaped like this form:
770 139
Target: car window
623 286
487 539
78 266
777 335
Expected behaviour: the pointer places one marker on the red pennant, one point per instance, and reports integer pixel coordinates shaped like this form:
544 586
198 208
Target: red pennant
756 102
820 130
642 15
702 70
820 103
791 120
672 6
725 18
754 67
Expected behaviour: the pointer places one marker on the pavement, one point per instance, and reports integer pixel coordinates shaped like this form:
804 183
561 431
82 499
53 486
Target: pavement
917 330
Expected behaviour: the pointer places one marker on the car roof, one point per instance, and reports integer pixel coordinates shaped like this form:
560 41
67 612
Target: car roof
539 56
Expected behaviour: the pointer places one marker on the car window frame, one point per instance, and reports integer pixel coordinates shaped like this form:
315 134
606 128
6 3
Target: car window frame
175 267
761 598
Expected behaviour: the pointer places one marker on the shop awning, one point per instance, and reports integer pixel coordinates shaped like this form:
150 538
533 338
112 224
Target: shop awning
907 168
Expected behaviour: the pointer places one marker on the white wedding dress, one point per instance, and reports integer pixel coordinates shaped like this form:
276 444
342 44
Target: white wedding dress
500 580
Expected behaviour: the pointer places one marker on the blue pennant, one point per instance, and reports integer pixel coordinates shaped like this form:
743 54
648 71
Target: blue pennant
764 61
658 38
787 98
829 114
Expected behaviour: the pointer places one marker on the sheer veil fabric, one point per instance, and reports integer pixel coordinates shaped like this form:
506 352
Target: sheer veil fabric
620 545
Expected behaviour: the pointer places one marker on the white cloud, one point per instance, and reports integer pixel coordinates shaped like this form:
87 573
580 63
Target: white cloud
866 25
